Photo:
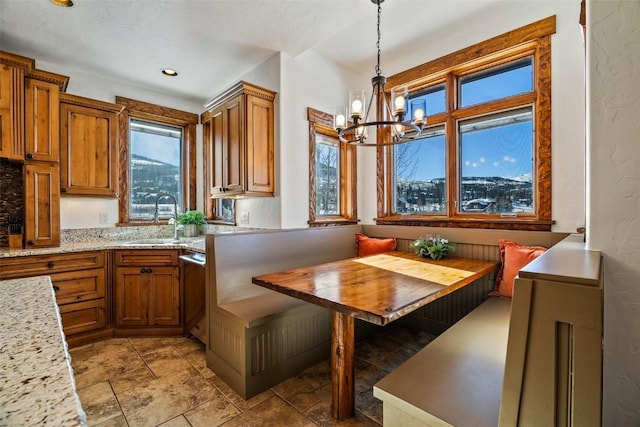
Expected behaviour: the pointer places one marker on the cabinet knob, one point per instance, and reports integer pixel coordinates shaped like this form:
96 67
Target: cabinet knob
149 270
56 288
143 270
50 264
63 190
30 242
29 156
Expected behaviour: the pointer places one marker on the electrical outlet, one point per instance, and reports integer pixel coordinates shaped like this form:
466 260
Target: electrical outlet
244 218
104 218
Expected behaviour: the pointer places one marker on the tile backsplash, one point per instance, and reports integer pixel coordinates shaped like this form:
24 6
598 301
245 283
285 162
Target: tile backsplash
11 196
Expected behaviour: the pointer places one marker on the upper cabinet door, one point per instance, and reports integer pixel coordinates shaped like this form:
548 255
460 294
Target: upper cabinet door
11 112
42 121
259 145
89 147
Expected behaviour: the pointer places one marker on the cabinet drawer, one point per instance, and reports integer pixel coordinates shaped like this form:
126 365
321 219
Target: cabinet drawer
82 316
146 257
11 268
75 286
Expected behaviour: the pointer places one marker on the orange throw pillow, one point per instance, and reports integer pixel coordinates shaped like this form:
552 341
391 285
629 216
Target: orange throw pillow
514 256
371 246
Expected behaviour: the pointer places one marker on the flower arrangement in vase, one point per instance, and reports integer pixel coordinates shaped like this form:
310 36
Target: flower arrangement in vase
434 247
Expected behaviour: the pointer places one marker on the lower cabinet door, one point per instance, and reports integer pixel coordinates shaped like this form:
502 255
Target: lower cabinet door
131 296
164 296
82 316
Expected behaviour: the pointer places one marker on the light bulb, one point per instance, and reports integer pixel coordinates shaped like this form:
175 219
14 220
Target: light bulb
399 101
340 120
356 107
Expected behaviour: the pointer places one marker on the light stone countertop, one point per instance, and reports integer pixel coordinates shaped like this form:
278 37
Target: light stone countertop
36 379
196 244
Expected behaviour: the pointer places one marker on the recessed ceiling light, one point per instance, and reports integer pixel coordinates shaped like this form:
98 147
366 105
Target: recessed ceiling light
63 3
169 72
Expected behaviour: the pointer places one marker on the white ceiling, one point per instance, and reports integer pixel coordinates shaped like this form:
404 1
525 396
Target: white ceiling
211 43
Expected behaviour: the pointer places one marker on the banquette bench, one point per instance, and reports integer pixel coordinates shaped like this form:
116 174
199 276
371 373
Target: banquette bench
534 360
258 338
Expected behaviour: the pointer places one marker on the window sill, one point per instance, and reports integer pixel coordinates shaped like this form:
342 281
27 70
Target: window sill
493 223
331 222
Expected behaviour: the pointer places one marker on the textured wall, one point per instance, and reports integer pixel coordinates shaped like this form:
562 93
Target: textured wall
613 204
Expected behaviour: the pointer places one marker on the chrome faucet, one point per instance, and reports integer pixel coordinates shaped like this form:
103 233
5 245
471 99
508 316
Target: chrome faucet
156 218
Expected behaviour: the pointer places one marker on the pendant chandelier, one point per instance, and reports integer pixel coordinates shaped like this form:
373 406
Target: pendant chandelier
390 117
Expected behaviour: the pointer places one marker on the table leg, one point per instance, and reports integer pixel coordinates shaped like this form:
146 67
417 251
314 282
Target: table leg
342 369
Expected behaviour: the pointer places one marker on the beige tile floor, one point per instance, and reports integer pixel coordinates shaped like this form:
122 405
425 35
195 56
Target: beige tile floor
165 381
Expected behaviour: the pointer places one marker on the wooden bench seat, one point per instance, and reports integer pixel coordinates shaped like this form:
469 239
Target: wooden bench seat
457 378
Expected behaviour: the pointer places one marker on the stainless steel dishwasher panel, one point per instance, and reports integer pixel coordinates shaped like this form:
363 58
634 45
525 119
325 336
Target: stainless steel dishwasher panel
192 268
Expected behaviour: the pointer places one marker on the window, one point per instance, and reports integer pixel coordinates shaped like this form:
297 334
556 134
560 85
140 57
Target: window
224 211
332 194
496 163
157 156
485 158
327 161
155 168
421 189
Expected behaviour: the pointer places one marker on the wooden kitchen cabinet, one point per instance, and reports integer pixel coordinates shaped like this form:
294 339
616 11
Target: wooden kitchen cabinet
239 142
147 292
89 141
13 69
81 285
42 204
42 155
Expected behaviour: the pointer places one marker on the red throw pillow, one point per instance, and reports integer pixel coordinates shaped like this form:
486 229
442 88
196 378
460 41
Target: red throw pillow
514 256
371 246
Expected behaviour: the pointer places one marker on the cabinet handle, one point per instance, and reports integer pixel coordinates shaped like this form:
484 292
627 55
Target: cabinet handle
29 156
50 264
56 288
30 242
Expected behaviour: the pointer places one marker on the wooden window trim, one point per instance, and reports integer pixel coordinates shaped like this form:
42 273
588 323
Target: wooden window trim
160 114
531 40
322 123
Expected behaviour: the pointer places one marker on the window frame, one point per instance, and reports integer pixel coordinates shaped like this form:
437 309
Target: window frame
531 40
163 115
321 123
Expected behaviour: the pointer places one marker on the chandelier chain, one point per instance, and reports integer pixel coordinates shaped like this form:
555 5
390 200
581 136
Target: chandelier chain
378 71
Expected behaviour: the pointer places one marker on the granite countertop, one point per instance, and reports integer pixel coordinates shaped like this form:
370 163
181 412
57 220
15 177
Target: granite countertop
196 244
36 379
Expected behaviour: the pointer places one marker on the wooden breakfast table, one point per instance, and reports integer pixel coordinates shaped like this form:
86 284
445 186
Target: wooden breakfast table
378 289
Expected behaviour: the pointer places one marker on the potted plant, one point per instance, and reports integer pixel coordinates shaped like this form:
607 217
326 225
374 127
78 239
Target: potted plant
192 222
433 247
